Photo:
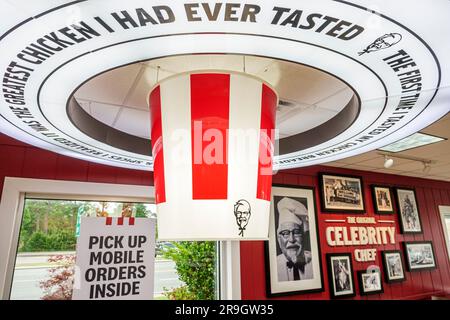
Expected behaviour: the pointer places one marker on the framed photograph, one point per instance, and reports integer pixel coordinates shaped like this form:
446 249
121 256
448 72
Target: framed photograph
340 275
393 266
419 255
408 210
293 259
369 282
382 199
339 193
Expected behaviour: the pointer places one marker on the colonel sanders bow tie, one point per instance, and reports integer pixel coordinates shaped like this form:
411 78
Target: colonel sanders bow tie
296 267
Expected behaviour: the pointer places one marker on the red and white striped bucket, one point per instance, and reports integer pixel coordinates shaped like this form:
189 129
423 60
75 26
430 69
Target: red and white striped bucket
212 143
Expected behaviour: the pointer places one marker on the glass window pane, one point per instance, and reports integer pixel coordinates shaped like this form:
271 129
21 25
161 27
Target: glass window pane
447 225
46 252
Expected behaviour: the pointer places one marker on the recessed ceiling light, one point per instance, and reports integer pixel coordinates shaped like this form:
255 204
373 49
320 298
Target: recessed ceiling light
413 141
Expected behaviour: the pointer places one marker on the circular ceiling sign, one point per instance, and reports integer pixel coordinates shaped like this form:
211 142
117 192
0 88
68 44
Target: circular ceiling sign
394 60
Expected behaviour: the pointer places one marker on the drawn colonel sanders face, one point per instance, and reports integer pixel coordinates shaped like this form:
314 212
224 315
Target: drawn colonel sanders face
383 42
242 213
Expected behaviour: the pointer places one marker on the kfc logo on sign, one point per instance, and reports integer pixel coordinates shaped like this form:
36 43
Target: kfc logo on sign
242 211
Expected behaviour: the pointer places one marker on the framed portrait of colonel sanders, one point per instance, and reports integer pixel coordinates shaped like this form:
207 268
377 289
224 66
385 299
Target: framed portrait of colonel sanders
293 259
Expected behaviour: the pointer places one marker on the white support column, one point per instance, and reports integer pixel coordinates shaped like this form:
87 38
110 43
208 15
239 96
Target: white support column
230 273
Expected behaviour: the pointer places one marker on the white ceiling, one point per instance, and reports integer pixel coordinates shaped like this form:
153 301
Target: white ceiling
409 161
118 97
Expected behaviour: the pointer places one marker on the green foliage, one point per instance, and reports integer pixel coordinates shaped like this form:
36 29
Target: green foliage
180 293
48 225
141 211
61 240
38 241
27 229
195 265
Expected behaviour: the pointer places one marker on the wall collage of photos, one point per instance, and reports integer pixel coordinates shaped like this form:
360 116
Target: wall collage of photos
293 259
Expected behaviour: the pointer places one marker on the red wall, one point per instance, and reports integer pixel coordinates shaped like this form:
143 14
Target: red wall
418 285
20 160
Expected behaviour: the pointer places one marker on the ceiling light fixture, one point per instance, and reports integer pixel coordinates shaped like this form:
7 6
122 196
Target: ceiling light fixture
388 162
416 140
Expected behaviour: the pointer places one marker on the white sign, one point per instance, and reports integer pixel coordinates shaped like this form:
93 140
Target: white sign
389 53
115 259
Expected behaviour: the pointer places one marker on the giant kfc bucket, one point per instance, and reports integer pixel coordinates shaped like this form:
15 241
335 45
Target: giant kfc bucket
212 139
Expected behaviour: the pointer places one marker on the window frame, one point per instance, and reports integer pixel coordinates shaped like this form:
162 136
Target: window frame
445 212
15 190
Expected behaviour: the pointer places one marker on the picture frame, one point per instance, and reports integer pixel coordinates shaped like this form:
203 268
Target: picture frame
408 211
341 193
340 275
383 202
292 253
419 255
370 282
394 270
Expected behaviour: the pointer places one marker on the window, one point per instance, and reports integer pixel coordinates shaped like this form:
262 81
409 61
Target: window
46 251
446 225
445 218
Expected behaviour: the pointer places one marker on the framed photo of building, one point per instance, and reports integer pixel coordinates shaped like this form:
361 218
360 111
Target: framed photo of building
369 282
382 199
393 266
293 258
419 255
340 275
408 210
341 193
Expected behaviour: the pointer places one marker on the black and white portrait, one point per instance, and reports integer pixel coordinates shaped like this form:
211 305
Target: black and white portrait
293 244
341 270
393 266
419 255
341 193
370 281
408 211
340 273
292 252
